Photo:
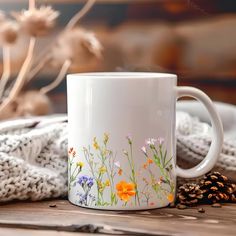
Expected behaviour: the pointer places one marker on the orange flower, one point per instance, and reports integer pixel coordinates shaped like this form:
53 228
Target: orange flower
170 197
145 166
125 190
70 150
120 171
152 204
150 161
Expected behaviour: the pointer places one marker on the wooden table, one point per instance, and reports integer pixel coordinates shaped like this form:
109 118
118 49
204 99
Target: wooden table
59 217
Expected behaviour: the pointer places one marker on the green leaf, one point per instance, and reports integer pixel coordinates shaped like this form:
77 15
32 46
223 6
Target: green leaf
157 159
165 154
168 162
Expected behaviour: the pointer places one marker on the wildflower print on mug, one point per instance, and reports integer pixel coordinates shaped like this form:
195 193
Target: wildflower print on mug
98 177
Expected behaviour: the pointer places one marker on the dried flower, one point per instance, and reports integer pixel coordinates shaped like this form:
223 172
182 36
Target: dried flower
2 17
37 21
77 45
8 31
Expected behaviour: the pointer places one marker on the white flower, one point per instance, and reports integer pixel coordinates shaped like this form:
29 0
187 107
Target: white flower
117 164
144 150
160 141
150 141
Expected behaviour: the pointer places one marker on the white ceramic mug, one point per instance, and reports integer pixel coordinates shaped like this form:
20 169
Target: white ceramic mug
122 147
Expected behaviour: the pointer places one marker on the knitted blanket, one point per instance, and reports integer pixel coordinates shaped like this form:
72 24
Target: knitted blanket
33 153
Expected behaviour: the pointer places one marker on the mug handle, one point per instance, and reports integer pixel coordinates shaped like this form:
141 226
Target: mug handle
211 158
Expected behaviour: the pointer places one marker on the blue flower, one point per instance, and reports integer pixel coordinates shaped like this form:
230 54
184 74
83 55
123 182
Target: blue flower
82 180
90 182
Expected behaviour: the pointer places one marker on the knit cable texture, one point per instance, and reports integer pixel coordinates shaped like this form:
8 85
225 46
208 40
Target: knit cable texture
33 155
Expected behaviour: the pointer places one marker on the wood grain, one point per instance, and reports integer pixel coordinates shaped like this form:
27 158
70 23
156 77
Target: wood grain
66 217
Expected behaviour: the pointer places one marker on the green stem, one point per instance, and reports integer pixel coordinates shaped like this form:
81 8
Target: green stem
134 176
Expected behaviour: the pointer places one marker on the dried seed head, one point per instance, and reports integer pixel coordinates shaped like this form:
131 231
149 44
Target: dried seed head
77 45
8 32
2 17
38 21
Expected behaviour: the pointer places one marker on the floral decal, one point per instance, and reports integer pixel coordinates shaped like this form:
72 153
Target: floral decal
105 182
125 190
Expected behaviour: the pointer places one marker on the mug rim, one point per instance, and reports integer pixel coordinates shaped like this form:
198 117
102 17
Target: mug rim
122 75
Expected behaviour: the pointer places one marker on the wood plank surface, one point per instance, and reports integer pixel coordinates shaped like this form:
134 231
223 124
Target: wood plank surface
64 217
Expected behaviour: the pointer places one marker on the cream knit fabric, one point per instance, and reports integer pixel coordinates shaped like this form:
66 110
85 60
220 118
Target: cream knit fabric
33 155
33 159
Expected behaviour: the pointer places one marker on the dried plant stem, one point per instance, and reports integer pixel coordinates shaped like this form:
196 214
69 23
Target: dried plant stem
20 78
6 68
59 78
31 4
38 67
74 20
80 14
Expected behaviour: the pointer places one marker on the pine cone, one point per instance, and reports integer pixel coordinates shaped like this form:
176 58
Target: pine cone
189 194
233 195
216 188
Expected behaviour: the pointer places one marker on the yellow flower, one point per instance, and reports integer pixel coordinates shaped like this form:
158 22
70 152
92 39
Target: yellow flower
102 170
125 190
107 183
170 197
100 186
80 164
105 138
95 144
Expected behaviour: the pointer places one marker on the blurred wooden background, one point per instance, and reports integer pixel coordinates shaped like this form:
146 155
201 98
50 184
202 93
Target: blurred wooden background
194 39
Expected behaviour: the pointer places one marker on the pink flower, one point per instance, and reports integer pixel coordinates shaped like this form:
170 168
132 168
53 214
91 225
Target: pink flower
160 140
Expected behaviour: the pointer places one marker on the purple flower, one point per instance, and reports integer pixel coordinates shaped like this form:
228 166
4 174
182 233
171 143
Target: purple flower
82 180
90 182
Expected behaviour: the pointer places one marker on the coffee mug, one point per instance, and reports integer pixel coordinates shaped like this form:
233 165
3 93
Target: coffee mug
122 144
